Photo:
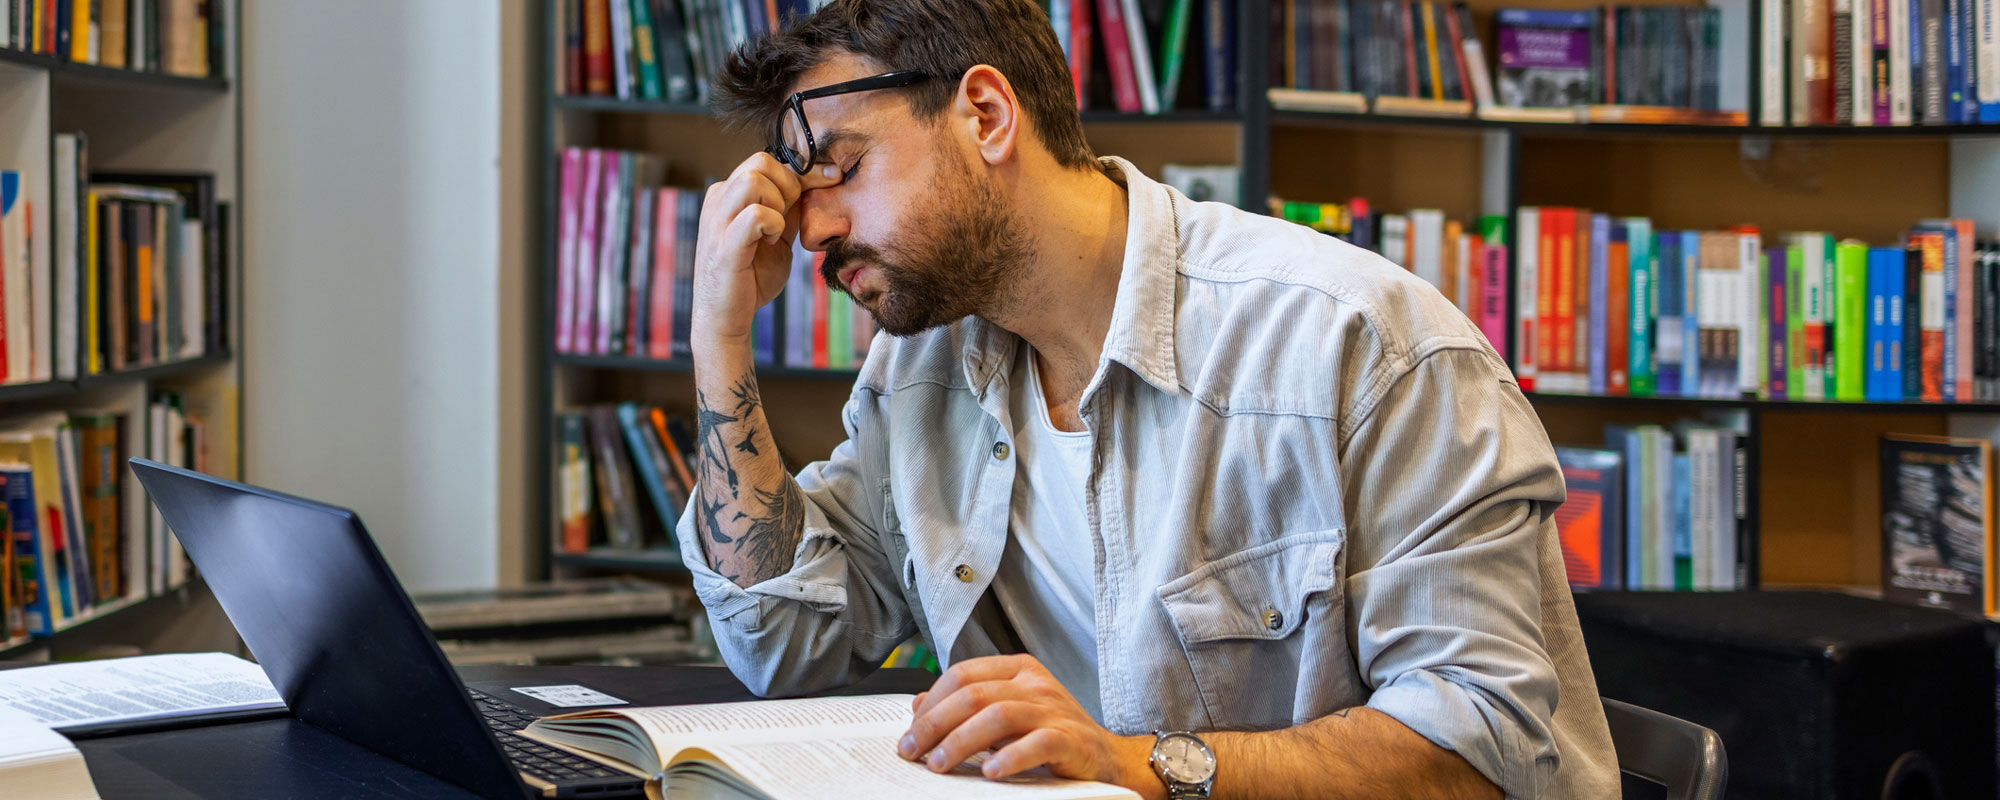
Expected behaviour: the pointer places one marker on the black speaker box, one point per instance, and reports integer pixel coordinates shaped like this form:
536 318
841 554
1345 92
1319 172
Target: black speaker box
1815 694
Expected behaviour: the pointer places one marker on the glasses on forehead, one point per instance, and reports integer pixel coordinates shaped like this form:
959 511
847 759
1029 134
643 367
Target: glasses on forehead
795 146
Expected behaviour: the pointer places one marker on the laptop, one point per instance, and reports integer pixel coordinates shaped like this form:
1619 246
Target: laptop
315 601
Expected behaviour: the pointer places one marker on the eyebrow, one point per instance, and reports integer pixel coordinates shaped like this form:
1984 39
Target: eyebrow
834 139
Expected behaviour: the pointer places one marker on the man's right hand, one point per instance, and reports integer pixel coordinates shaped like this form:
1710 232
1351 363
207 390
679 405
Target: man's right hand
743 253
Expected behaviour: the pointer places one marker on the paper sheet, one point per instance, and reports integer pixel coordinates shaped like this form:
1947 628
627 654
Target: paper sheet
114 690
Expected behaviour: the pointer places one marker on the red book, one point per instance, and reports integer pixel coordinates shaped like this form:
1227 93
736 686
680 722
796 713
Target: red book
666 240
596 46
1932 287
1118 56
820 298
1080 36
1579 294
1559 241
1618 316
566 232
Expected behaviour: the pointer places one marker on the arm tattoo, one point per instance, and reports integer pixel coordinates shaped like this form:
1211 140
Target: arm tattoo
766 524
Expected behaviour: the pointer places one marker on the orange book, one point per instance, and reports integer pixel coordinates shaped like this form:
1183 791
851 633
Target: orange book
1448 264
1579 267
1931 284
142 282
596 47
1545 294
1618 317
674 456
1562 242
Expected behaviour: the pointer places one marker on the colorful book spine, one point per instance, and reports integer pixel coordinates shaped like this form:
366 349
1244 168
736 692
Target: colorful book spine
1691 313
1884 381
1913 321
1118 56
1596 313
1932 315
1618 315
1812 326
666 252
1667 339
1493 280
1527 294
1639 234
1850 347
1778 340
1796 317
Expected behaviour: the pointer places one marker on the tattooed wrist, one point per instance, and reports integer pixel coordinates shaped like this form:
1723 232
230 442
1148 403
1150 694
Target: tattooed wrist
751 534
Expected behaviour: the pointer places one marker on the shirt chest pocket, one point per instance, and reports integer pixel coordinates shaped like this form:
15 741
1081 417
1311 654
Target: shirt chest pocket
1256 623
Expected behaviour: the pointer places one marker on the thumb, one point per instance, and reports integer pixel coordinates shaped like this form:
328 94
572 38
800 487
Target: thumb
820 177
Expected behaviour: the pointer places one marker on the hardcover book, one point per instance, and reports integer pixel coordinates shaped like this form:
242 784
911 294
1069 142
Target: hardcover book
1937 526
1544 57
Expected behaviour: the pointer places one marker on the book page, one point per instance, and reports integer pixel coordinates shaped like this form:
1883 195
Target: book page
38 762
809 719
868 766
64 696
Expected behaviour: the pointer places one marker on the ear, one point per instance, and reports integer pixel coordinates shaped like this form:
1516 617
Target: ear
987 111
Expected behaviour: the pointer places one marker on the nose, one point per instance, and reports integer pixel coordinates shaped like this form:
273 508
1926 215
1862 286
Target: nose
821 219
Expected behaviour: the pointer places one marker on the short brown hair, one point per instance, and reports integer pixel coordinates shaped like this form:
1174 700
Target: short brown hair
940 38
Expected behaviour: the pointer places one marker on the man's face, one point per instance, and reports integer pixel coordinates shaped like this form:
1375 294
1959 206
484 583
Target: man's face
915 231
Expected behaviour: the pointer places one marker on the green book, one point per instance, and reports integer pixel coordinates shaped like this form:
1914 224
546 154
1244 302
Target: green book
1175 48
1493 229
642 47
1795 318
1850 320
1829 315
1645 302
839 333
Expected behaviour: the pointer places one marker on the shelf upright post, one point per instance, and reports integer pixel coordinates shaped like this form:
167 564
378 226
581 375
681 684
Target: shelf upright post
1253 137
541 510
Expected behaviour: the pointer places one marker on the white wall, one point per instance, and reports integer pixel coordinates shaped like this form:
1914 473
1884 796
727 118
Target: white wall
372 268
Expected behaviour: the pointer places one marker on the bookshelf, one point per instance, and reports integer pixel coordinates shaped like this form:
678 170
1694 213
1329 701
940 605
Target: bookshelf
132 121
1811 466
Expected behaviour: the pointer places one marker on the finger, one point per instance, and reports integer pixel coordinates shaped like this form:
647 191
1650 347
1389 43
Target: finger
1038 748
935 724
975 670
753 189
916 702
755 224
820 177
771 169
997 721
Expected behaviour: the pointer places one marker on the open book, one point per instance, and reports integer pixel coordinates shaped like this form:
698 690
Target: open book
38 762
786 750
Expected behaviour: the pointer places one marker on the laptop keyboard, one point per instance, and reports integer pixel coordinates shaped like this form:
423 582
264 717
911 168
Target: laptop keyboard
530 756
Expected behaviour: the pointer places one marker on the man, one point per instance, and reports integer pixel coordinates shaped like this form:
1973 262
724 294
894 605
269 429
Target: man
1129 463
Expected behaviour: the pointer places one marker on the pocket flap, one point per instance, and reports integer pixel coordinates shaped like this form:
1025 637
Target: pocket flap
1258 593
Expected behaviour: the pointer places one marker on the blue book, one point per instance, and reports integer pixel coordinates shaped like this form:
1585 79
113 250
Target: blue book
1645 306
1600 252
1912 325
1683 491
17 490
1667 341
1949 392
1218 53
643 446
1884 379
1593 518
1955 54
1629 442
1690 313
764 334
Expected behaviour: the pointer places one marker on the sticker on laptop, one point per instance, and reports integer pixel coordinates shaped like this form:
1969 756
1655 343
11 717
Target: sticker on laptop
569 695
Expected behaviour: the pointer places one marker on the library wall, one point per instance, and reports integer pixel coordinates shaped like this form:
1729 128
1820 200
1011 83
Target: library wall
372 166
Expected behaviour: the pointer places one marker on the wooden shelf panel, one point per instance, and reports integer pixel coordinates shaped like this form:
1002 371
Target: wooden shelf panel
89 618
69 72
31 391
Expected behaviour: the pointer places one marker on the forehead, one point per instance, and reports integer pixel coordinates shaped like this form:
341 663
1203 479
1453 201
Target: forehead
852 112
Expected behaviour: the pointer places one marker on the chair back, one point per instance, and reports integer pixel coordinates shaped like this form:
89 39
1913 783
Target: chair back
1684 757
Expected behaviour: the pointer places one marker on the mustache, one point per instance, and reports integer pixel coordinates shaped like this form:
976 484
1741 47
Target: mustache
837 258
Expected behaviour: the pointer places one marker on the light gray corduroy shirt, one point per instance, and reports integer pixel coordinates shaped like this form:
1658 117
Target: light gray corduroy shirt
1314 486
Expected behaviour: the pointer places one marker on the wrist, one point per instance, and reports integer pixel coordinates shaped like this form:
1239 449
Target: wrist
1133 766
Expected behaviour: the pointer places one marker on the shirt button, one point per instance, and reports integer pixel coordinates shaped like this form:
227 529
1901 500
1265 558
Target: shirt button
1000 450
1273 619
963 572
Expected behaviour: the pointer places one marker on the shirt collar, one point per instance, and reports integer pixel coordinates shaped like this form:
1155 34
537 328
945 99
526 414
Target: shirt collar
1142 315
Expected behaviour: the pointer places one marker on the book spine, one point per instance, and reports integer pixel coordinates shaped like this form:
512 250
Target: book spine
1174 52
1598 306
1821 282
1843 62
1899 63
666 249
1218 53
1527 306
597 46
1932 315
1691 313
1911 329
1667 338
1986 57
1953 344
1142 58
645 55
1493 281
1118 56
1639 238
1618 315
1884 269
1932 60
1960 239
1081 38
1558 248
637 301
1954 62
1849 327
1861 60
566 225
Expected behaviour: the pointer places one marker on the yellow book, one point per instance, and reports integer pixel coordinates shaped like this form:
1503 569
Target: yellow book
79 32
1429 11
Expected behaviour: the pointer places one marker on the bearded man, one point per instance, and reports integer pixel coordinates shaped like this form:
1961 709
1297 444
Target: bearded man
1188 499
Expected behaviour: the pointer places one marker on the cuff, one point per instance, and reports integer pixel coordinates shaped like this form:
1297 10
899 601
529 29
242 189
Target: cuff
1463 720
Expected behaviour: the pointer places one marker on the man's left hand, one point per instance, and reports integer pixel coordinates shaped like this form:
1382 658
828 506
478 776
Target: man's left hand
1013 704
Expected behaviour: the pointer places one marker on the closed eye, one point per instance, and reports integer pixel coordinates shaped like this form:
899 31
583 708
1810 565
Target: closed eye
848 174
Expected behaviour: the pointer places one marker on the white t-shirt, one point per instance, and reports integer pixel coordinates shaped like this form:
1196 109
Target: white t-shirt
1046 583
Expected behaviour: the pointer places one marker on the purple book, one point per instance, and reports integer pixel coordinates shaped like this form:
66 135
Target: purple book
1544 57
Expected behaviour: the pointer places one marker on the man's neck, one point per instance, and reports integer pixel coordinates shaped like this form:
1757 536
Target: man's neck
1061 303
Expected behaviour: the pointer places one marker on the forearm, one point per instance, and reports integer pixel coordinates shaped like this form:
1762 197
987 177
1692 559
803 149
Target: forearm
748 510
1357 753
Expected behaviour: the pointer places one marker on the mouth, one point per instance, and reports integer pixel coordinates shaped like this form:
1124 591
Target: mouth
848 275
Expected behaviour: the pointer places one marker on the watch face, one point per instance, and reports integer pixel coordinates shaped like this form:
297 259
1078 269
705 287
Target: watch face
1185 759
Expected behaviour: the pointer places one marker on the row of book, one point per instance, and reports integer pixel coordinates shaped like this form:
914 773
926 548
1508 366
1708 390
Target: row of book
1878 62
1684 64
1467 263
1612 306
625 471
669 50
177 37
1657 508
80 533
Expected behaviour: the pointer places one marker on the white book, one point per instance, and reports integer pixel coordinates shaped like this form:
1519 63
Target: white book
1899 63
1987 50
1771 92
1814 295
621 49
67 218
194 306
1527 233
1663 509
782 749
1468 294
1059 12
1142 58
1722 572
1733 58
1863 51
1396 239
1701 504
38 762
610 251
1749 313
16 253
1426 245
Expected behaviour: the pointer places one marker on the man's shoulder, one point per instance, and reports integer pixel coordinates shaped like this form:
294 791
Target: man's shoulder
1256 291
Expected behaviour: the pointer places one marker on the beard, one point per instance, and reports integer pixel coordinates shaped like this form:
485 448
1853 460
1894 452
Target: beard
958 258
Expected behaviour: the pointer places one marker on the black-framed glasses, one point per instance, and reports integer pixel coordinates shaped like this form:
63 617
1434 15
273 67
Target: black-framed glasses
792 127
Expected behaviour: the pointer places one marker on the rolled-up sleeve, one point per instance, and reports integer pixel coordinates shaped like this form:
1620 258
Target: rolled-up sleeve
1449 482
838 612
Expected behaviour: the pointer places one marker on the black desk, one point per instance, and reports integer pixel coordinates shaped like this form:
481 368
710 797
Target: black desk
283 758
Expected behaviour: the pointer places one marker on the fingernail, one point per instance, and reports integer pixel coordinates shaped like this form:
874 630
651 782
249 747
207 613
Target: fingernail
937 759
908 747
829 171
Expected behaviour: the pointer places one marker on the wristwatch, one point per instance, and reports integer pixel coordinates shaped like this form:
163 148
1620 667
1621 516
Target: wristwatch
1185 763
